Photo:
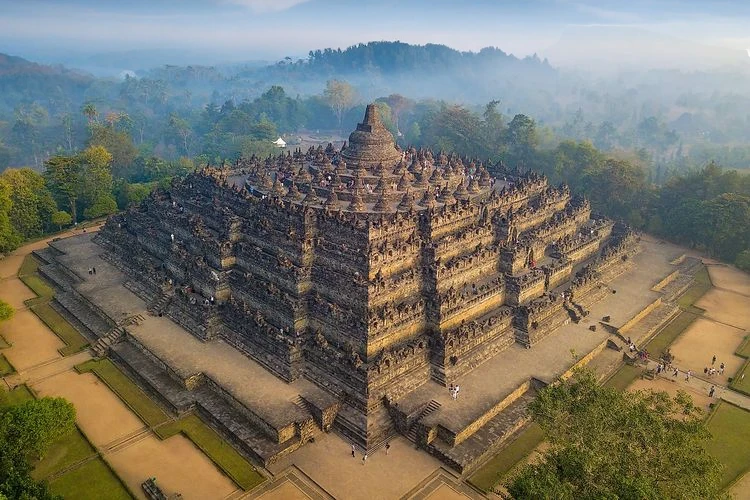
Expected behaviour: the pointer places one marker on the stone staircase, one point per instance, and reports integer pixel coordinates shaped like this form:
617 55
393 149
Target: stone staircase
100 348
85 314
432 407
158 306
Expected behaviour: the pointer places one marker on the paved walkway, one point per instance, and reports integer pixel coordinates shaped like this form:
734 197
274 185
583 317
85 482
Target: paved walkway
699 384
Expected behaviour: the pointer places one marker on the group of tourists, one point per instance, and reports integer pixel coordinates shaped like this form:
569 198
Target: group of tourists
712 370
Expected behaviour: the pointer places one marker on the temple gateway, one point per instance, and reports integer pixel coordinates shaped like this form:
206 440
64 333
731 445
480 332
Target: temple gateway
365 282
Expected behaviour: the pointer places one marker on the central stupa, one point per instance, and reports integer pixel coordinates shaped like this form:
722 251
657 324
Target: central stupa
371 143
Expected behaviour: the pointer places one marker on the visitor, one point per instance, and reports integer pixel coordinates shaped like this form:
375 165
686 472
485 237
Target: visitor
721 369
687 375
90 272
713 360
711 391
676 372
387 447
456 389
354 451
94 270
450 390
705 371
364 458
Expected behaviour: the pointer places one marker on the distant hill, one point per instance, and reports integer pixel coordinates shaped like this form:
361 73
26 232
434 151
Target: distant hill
379 68
26 81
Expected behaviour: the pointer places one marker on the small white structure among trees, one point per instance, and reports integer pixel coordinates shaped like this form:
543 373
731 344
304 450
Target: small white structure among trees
280 143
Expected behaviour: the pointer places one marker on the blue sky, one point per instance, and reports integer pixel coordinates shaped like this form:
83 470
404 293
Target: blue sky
270 29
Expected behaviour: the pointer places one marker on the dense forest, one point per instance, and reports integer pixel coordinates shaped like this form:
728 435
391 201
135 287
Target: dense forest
650 156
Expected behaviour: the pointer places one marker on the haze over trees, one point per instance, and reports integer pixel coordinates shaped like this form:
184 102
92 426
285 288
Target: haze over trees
649 148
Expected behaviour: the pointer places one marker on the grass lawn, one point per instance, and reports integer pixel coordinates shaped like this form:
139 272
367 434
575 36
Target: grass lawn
38 285
216 448
498 466
18 395
30 265
74 341
667 335
5 367
730 430
93 479
739 383
623 377
137 400
63 453
701 285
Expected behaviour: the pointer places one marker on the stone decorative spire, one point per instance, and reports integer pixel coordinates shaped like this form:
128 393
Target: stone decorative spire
371 143
318 178
311 198
293 194
382 186
341 167
461 193
357 204
264 181
407 202
403 183
474 186
278 188
304 175
435 177
332 202
484 176
446 196
382 204
428 199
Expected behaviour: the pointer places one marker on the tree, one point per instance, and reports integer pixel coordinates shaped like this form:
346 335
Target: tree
6 311
89 111
119 144
339 96
63 176
32 203
26 431
61 218
522 141
610 444
743 261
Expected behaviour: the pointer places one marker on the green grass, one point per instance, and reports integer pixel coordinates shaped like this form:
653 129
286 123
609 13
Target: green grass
623 377
5 367
667 335
30 265
700 286
74 341
739 383
93 479
216 448
29 274
18 395
63 453
38 285
491 473
137 400
730 430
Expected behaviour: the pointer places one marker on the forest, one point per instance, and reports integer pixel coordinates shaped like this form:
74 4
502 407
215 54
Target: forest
674 164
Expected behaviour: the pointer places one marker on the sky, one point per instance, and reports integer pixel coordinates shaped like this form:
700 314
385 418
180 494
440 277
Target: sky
237 30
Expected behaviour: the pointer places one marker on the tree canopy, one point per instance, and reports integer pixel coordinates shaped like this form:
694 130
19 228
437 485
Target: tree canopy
606 443
26 432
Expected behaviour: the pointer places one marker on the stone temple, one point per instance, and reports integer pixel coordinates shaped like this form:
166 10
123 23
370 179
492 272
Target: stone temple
366 281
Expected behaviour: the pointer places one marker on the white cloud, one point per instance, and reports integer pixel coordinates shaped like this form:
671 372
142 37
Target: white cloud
261 6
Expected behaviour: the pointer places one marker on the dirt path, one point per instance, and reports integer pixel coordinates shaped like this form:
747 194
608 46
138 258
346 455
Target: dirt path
117 433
